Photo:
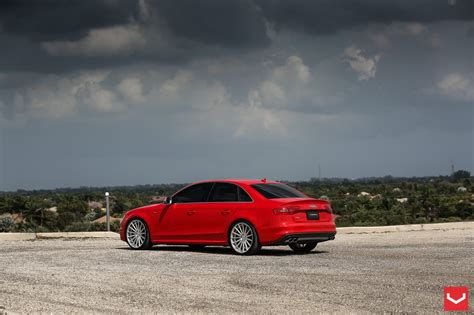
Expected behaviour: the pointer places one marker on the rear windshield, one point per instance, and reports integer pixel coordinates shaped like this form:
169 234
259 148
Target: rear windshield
274 191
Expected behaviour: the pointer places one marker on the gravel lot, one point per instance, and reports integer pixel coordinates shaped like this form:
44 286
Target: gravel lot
385 272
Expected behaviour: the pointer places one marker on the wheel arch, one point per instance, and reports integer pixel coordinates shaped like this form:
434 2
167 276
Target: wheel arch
137 214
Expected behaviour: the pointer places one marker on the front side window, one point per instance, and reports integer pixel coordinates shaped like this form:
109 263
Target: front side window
275 191
194 193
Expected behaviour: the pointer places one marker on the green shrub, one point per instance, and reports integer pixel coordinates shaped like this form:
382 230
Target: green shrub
6 223
78 227
92 227
42 229
450 219
421 220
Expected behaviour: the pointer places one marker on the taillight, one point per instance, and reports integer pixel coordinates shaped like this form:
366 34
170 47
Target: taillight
286 210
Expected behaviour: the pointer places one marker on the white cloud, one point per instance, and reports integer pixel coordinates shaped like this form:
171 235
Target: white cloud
293 70
56 96
131 90
258 121
53 96
173 87
272 94
366 67
116 40
204 101
210 105
267 104
383 36
285 86
457 86
100 99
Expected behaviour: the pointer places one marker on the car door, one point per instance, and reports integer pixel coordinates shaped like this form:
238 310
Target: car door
223 202
178 222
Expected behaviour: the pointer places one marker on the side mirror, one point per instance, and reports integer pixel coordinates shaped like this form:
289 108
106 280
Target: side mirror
168 200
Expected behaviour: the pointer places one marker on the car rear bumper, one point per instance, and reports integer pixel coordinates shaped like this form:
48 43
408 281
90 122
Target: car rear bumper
306 237
308 232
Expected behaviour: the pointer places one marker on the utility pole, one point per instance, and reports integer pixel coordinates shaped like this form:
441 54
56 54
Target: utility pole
452 168
107 215
319 171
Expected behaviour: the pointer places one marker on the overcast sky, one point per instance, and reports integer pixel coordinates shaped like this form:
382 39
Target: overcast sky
112 92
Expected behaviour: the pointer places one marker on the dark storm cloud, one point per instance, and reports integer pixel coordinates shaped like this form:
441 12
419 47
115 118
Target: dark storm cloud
183 30
229 23
188 29
63 20
329 16
209 21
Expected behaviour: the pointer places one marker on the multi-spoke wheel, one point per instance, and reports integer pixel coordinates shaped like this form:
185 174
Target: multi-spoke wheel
303 247
137 234
243 239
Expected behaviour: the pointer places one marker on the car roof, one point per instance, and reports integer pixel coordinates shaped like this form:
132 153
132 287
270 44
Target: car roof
241 181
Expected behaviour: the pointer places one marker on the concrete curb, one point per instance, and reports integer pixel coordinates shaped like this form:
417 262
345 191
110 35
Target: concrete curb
406 228
78 235
17 237
34 236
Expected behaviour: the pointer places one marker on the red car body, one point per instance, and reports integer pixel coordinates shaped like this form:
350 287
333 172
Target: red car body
277 221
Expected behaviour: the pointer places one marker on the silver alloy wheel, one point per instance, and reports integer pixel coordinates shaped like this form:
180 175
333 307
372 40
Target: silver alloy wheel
242 237
136 233
300 245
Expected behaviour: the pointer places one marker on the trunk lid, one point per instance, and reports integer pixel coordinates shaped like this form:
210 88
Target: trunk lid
305 209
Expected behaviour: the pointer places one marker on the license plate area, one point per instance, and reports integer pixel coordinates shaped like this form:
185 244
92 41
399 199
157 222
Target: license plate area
312 215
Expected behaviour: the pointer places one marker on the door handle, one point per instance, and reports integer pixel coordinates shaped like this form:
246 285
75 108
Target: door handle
190 212
225 212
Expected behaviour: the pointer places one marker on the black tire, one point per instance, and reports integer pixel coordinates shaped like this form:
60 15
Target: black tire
245 244
137 227
303 247
197 246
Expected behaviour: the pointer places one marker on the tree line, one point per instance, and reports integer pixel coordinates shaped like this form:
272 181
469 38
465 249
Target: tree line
363 202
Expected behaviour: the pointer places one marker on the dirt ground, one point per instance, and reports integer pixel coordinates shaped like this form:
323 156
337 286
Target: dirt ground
384 272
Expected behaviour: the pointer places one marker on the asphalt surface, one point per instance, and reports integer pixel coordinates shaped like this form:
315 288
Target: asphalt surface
385 272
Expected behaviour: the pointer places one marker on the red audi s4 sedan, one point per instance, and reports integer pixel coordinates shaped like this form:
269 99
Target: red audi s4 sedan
242 214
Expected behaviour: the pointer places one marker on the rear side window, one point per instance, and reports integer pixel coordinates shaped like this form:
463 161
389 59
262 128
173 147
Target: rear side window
274 191
243 196
194 193
224 192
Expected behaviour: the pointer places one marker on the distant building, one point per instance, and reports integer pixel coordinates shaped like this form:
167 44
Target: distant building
402 200
52 209
462 189
377 196
18 218
94 205
396 189
363 194
157 199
